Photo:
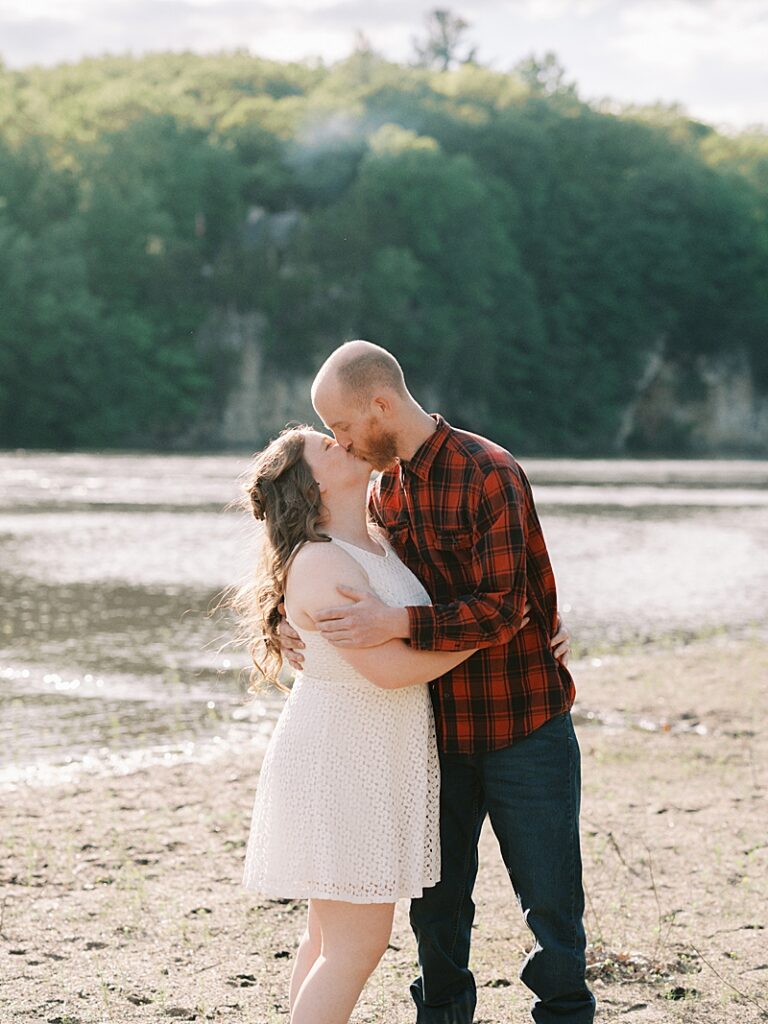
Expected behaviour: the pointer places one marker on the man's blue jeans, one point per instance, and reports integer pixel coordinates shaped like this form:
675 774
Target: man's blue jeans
531 791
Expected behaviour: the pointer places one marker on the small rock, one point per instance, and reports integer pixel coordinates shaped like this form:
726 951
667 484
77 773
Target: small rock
243 980
139 1000
680 992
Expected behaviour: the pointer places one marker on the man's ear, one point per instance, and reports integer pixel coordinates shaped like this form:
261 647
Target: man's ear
383 405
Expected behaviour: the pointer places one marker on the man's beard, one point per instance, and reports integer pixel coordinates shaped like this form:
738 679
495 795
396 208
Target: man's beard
380 451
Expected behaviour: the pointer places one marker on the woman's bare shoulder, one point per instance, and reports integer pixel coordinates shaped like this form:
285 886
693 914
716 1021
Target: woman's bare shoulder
319 554
319 563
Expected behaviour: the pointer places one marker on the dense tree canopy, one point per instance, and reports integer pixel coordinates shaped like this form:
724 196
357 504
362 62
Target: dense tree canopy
523 253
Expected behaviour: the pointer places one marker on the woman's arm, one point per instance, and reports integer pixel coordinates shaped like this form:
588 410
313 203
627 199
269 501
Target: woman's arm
315 573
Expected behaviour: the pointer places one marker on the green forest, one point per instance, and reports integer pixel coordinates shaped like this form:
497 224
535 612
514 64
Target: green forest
524 253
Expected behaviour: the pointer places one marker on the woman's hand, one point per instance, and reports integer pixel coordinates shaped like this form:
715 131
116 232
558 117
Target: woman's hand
561 643
290 642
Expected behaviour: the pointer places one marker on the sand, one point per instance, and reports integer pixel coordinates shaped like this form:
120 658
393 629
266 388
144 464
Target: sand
122 899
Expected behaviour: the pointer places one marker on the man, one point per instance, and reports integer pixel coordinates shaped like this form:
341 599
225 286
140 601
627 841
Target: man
459 512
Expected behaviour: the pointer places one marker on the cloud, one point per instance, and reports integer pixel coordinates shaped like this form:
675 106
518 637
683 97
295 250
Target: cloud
549 10
682 33
707 54
41 33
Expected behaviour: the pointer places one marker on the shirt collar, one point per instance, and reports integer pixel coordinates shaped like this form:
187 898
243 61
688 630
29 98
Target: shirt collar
421 461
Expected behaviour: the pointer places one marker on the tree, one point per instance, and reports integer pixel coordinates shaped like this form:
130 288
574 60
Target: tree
418 255
545 76
524 253
445 45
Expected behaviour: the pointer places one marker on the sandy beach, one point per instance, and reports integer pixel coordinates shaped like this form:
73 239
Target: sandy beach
122 899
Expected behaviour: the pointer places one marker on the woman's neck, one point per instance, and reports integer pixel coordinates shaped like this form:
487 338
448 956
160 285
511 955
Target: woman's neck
349 521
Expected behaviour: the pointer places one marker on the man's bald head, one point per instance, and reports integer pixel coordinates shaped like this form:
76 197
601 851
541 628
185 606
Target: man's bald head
358 369
360 394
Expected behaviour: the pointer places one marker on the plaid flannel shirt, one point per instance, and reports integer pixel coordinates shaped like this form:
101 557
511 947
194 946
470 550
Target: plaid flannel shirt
461 516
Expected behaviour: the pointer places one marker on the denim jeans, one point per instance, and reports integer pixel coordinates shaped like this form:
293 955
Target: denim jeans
531 792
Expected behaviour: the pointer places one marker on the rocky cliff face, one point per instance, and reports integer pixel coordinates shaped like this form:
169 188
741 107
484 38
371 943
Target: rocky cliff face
263 400
254 397
709 408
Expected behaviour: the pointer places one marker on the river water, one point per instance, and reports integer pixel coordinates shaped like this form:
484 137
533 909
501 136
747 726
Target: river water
110 656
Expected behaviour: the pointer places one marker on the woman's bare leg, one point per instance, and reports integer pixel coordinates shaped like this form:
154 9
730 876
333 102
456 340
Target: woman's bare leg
353 939
306 954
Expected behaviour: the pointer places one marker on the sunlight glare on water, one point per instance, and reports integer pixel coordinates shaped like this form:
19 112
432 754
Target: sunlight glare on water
110 656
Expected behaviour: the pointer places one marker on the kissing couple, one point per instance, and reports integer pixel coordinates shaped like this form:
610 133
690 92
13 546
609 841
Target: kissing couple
432 690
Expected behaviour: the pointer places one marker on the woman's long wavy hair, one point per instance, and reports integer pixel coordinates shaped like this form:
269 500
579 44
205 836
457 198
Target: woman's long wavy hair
280 490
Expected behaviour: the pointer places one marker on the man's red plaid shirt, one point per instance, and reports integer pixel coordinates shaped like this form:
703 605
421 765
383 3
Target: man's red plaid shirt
461 516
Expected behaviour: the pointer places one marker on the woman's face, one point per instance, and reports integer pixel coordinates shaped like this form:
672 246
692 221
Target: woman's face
334 468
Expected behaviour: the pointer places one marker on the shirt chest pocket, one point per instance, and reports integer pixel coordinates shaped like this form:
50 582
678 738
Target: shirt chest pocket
452 553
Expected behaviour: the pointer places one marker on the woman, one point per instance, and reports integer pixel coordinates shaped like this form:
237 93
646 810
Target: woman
346 809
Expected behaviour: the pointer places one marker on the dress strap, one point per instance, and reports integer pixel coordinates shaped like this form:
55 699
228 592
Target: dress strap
362 554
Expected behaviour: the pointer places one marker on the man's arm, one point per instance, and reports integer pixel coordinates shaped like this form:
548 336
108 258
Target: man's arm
495 610
490 614
313 578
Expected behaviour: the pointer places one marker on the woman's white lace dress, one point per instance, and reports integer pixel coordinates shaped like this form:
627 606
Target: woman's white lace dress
347 803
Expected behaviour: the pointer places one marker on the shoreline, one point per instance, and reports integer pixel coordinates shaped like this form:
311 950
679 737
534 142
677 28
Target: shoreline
246 726
122 898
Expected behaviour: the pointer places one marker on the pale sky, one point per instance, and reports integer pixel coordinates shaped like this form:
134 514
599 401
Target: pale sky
709 55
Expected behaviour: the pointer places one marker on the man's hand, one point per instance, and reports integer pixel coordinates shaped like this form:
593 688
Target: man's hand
290 642
561 643
367 622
